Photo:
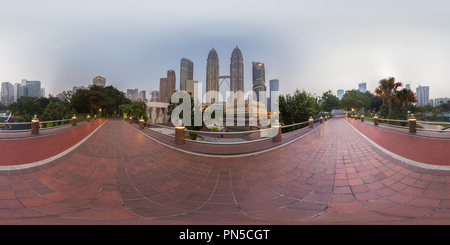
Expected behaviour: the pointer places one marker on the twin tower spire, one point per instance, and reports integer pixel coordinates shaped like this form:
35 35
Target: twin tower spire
236 72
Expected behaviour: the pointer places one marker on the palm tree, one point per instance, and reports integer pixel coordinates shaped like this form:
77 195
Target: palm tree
405 97
388 87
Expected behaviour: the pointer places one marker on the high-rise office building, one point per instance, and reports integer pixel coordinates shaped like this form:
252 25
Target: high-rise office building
171 84
190 87
42 92
362 87
167 87
274 85
142 95
237 71
212 75
422 95
340 93
163 89
186 72
132 94
407 86
259 79
100 81
33 88
155 96
7 93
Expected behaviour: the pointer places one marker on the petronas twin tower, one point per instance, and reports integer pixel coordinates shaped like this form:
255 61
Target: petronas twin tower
236 73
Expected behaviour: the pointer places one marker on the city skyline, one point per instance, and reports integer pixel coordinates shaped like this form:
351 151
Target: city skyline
307 45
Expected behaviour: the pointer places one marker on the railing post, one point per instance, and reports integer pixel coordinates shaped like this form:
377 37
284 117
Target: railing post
179 135
278 137
74 120
35 125
362 118
412 124
321 119
326 117
130 120
88 118
375 120
311 123
141 123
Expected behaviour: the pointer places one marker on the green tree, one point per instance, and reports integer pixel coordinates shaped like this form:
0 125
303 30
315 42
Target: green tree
329 102
297 107
354 99
404 98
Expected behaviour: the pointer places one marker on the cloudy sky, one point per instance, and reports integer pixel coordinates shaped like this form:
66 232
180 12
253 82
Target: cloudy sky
311 45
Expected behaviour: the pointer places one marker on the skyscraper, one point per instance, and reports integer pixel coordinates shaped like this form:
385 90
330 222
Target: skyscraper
171 84
237 71
259 79
142 95
167 87
407 86
7 93
186 72
100 81
422 94
212 74
132 94
33 88
155 96
190 87
274 85
362 87
163 89
340 93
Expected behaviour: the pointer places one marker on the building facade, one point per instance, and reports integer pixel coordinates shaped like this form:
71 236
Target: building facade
274 85
237 71
212 75
132 94
362 87
155 96
259 79
422 95
167 87
7 93
33 88
100 81
186 72
340 93
142 95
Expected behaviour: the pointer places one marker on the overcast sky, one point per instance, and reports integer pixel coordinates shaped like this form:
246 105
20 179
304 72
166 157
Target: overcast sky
311 45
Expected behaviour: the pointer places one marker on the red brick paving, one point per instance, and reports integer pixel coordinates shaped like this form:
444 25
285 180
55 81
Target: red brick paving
33 149
121 176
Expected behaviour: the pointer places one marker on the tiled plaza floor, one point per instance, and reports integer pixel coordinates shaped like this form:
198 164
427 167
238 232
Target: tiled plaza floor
332 175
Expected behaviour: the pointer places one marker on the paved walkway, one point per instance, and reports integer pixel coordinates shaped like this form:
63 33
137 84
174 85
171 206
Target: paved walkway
332 175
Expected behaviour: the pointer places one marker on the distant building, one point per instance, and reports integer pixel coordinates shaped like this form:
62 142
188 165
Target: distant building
259 79
132 94
212 75
407 86
422 95
237 71
362 87
42 92
100 81
7 93
142 95
190 87
61 96
75 88
438 101
167 87
20 90
33 88
340 93
186 72
155 96
274 85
